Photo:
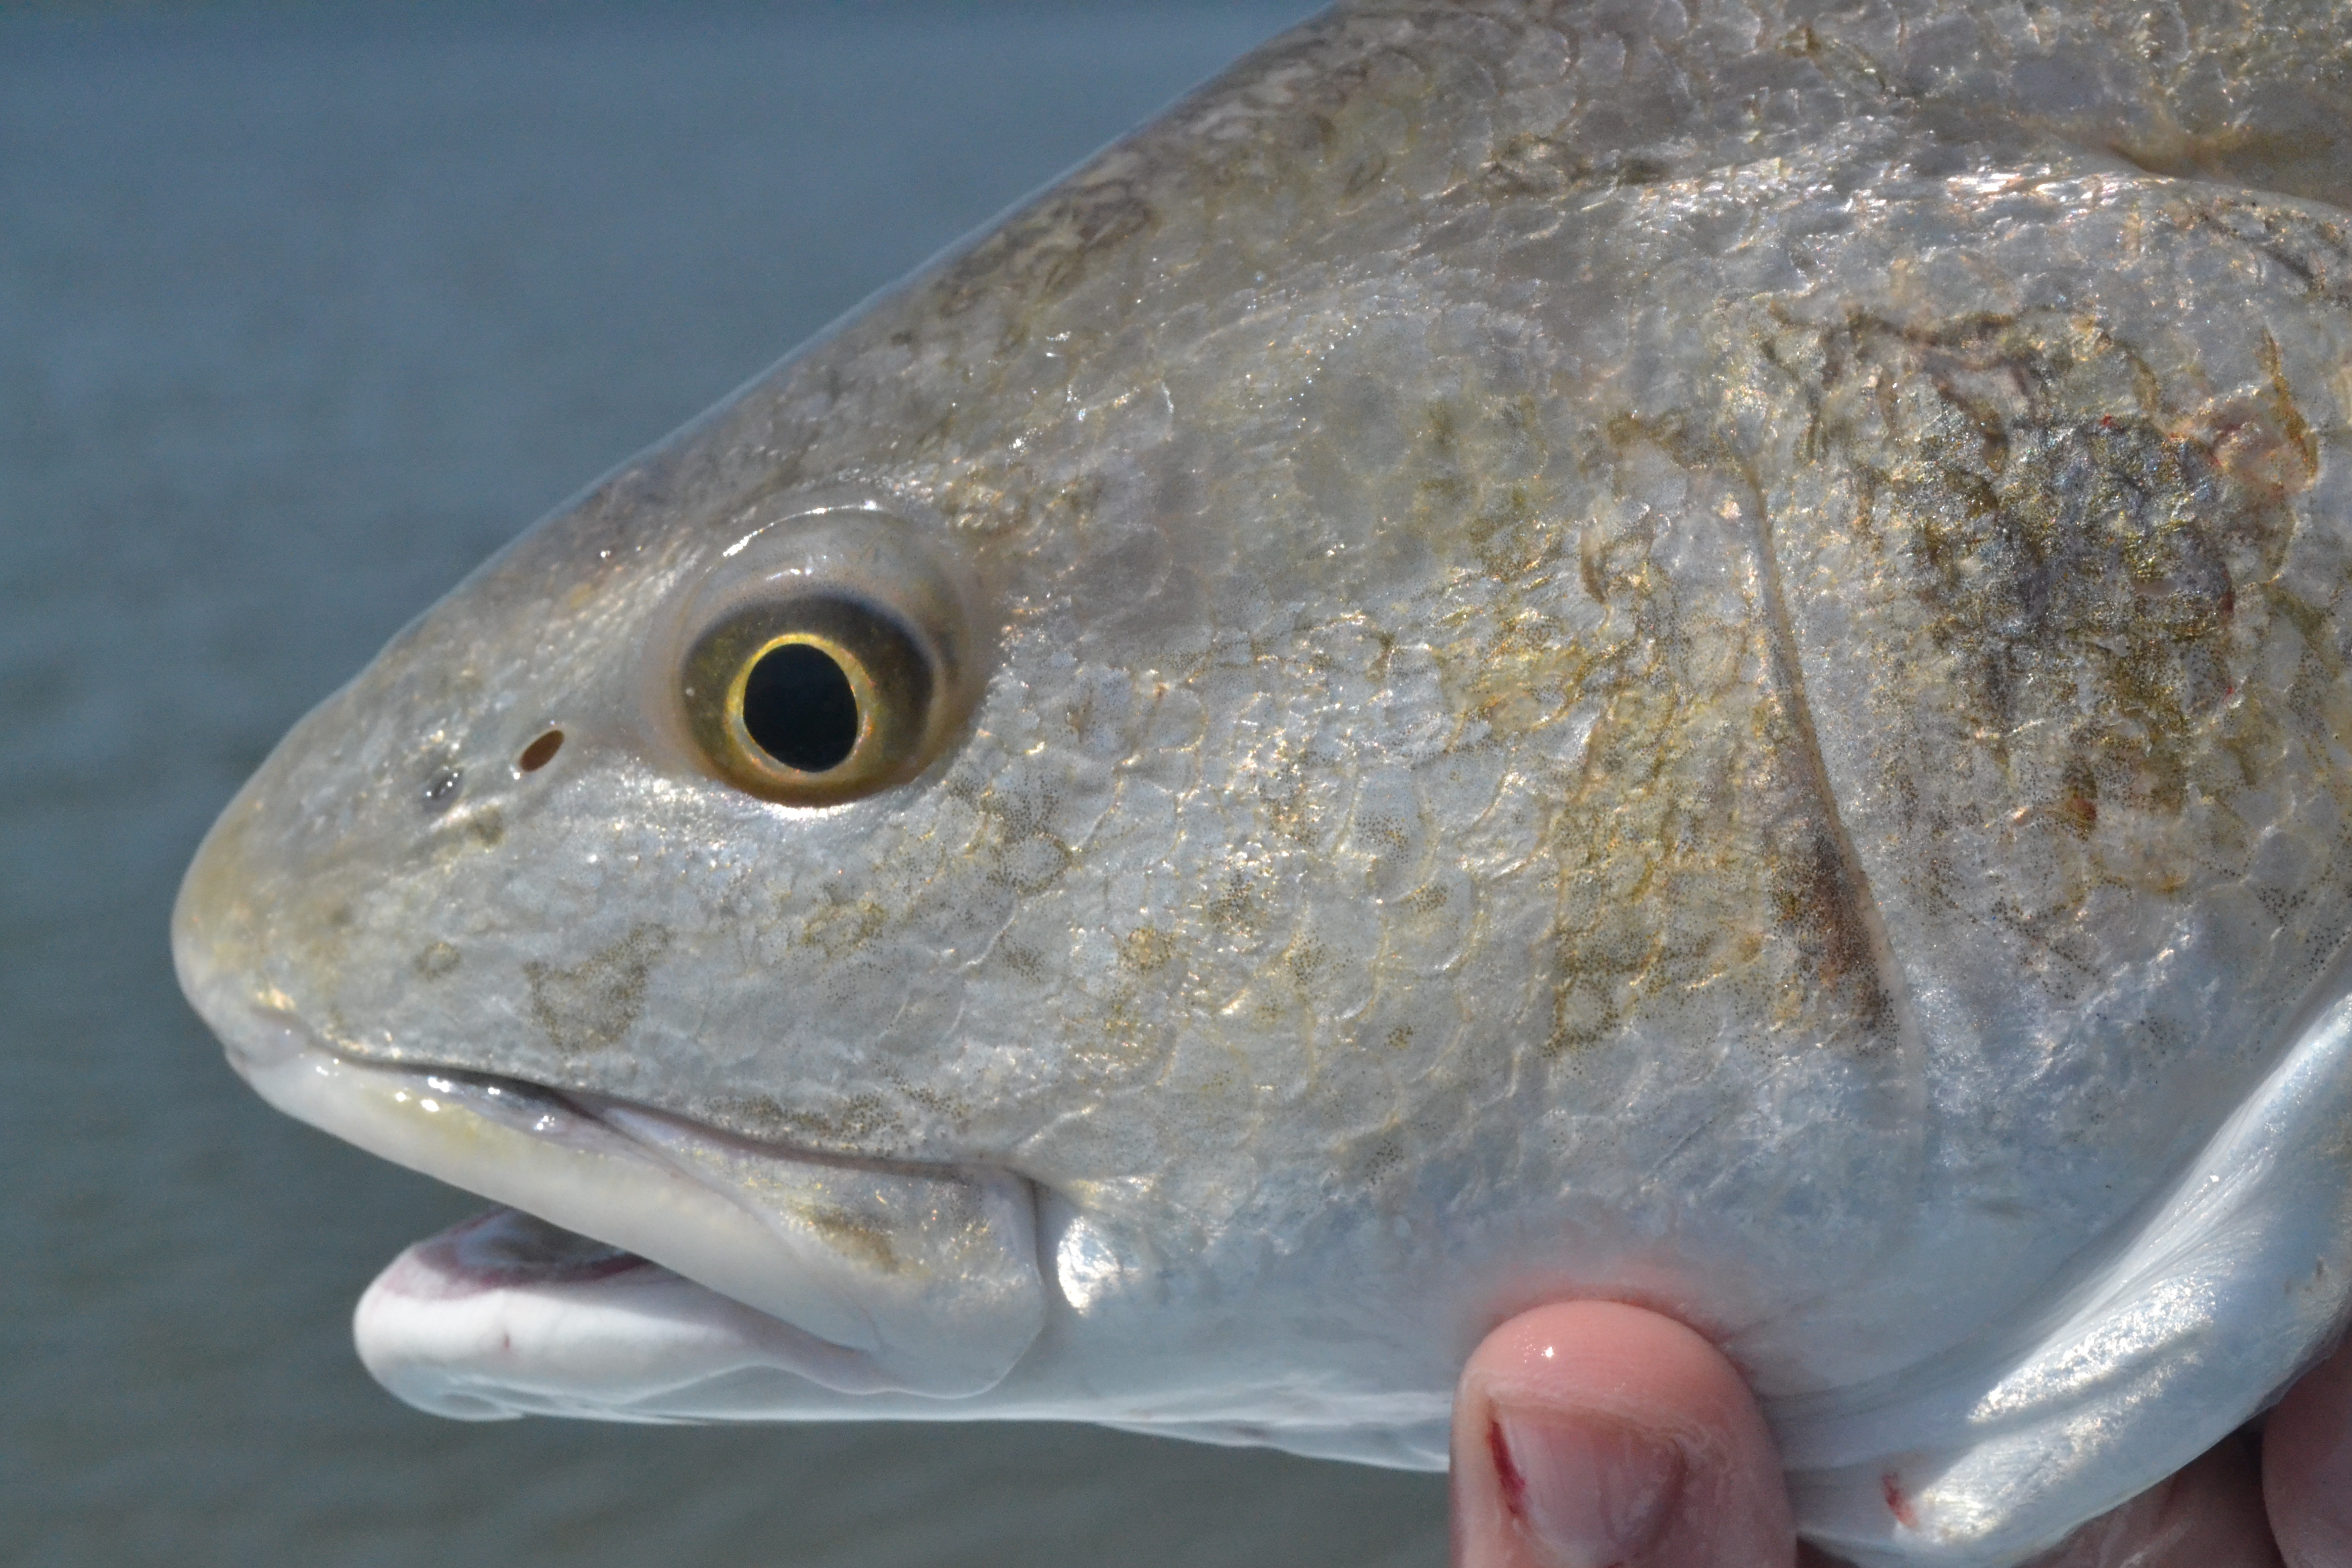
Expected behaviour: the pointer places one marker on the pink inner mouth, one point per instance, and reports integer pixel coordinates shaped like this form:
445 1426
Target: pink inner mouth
503 1249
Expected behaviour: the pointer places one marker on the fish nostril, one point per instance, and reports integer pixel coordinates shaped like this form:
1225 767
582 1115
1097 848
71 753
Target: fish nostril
540 753
442 789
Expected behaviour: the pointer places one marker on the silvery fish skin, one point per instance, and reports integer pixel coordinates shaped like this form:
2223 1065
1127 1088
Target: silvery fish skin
1691 652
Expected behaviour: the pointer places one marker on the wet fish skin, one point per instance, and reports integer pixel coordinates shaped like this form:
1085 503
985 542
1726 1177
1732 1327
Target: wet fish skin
1691 653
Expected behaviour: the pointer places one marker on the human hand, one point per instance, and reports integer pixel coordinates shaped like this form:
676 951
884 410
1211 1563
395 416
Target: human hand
1589 1433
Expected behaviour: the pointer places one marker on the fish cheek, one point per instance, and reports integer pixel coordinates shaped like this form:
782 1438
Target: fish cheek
590 1006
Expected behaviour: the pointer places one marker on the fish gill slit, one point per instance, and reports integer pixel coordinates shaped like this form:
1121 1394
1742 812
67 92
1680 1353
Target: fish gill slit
1860 905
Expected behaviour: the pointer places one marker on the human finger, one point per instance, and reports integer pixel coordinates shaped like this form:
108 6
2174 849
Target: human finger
2307 1467
1590 1432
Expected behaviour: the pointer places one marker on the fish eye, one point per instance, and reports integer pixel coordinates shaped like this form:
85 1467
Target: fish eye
810 701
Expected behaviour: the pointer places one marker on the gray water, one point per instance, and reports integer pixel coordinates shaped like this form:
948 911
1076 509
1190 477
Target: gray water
302 311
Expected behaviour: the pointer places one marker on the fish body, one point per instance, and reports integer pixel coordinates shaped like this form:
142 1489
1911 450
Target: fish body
1689 652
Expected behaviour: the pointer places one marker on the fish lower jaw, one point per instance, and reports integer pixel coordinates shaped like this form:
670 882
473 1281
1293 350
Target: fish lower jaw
504 1315
919 1281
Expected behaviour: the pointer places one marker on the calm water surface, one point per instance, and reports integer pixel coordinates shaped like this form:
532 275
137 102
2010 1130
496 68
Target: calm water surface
302 311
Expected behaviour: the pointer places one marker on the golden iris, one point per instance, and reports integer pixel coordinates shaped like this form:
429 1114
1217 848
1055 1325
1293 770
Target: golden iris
809 701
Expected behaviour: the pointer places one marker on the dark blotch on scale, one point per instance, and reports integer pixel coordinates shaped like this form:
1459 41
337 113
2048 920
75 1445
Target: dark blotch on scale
799 708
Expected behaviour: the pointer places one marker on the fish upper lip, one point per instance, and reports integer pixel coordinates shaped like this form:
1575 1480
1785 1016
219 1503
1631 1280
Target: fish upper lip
556 1114
546 1111
265 1032
270 1033
277 1035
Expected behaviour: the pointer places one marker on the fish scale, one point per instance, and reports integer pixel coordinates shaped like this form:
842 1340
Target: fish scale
1686 653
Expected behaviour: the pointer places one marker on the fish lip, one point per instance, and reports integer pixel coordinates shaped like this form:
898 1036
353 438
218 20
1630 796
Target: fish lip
942 1300
271 1035
272 1038
504 1314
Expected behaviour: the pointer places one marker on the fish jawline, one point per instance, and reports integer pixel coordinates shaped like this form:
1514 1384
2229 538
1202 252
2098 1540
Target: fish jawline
940 1338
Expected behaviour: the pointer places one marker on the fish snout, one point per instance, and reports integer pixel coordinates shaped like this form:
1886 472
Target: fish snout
221 924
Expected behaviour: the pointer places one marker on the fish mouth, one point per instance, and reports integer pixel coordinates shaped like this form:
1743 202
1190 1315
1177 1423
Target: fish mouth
504 1315
861 1277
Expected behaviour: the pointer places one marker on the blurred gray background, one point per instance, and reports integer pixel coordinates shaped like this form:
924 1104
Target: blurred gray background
302 311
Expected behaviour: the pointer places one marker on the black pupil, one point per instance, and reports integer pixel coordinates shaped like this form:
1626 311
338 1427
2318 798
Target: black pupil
798 707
